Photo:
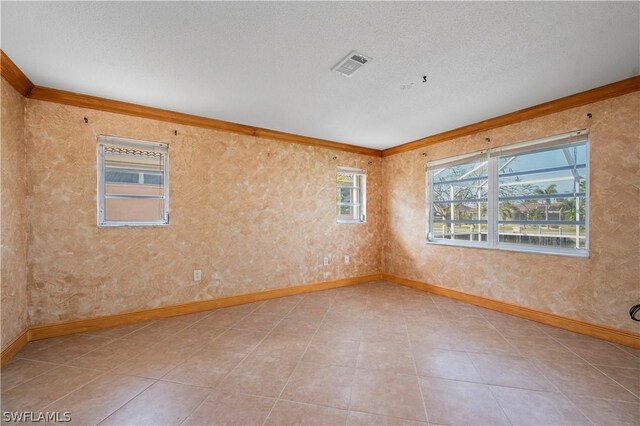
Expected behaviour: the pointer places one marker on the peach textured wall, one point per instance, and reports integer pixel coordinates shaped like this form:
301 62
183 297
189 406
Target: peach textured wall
13 232
600 289
252 214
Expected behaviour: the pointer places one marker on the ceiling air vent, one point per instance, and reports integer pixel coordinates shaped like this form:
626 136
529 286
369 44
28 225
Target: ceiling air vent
351 63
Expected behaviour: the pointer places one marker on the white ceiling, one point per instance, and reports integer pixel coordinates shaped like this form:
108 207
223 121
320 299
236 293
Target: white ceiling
268 64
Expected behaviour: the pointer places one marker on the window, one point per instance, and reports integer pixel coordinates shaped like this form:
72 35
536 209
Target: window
531 196
351 198
133 185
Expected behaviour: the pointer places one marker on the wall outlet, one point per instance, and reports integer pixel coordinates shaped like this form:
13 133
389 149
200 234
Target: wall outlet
197 274
325 261
346 259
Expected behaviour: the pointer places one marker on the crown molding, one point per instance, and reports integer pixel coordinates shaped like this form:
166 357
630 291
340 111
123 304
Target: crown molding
118 107
14 76
23 85
612 90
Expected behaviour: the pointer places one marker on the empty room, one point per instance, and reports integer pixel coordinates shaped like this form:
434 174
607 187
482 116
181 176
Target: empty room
320 213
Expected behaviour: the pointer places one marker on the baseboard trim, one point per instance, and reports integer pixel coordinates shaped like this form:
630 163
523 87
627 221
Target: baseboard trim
604 332
14 347
91 324
615 335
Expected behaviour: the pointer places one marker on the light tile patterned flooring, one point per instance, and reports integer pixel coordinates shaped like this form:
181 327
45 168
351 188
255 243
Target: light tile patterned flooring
375 353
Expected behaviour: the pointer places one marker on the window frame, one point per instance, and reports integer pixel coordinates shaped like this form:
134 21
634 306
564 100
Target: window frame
493 156
362 201
104 140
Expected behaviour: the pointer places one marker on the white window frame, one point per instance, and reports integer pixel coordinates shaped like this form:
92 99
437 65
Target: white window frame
492 158
362 201
104 140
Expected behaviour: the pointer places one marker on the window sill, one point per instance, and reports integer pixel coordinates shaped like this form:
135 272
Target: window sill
133 225
350 221
581 254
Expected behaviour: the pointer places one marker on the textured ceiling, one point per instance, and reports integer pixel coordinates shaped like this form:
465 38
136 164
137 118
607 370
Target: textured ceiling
268 64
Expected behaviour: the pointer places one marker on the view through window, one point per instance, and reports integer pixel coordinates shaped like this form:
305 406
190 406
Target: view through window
528 196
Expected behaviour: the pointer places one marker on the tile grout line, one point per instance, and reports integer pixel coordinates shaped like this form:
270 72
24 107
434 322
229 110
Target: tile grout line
55 367
355 367
199 350
105 372
529 360
241 361
600 371
466 352
413 359
543 375
155 381
299 359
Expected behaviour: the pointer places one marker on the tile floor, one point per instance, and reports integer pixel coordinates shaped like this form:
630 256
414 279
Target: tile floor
375 353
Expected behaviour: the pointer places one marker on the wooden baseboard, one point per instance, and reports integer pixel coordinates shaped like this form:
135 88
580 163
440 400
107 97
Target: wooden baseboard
623 337
90 324
604 332
14 347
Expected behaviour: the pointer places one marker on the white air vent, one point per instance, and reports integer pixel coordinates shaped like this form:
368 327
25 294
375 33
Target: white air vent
351 63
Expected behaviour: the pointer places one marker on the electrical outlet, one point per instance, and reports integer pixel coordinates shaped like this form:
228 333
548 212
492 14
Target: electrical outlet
346 259
325 261
197 274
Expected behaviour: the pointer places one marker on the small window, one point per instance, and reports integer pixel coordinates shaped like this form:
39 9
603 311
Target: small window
351 196
133 185
531 196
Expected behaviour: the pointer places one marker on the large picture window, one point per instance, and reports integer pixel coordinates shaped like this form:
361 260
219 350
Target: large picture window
132 182
531 196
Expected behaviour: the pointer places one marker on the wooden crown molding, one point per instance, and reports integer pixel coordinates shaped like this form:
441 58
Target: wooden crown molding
612 90
23 85
108 105
604 332
14 76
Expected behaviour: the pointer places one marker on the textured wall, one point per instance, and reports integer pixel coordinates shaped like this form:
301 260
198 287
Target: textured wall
13 233
599 289
252 214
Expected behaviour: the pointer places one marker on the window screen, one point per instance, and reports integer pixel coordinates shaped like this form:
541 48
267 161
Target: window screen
460 201
132 182
531 196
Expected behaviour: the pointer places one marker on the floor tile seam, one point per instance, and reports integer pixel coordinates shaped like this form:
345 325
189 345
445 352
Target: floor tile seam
319 404
415 368
301 356
198 350
493 395
102 374
388 415
111 340
55 366
245 356
555 386
153 382
595 366
366 309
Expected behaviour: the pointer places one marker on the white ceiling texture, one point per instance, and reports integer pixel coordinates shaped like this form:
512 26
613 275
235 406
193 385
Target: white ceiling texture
269 64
